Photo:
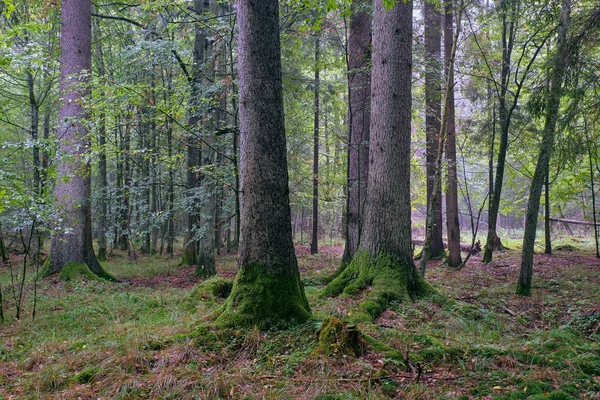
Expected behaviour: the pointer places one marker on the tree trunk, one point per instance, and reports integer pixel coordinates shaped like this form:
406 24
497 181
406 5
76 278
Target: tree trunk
359 117
547 222
314 244
191 249
384 258
267 290
433 80
102 199
592 179
546 147
73 241
454 259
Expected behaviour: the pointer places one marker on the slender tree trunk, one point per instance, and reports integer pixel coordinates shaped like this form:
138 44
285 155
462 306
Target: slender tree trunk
547 222
592 180
73 184
314 244
267 289
454 259
546 147
433 80
103 207
384 258
509 20
191 249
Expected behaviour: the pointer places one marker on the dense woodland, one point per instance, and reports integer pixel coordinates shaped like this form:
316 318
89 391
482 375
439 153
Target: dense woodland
329 199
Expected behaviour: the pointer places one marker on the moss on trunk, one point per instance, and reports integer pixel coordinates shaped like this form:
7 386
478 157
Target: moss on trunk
523 290
266 300
74 271
389 280
205 267
337 338
74 267
102 254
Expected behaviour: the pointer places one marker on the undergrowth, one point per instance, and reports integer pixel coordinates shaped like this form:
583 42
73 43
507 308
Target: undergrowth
151 336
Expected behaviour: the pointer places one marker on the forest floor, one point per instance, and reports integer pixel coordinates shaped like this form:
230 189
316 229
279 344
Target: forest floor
150 337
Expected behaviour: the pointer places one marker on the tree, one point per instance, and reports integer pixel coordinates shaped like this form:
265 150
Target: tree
72 243
314 244
552 106
384 257
359 116
452 223
433 78
267 290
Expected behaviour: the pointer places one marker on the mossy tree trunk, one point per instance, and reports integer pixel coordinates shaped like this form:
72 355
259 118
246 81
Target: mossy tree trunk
267 290
359 117
73 241
384 258
546 147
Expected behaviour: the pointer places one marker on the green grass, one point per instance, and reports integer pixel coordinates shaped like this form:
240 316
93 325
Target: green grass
150 337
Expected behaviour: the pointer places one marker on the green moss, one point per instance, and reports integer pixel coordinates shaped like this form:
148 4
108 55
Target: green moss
73 271
217 286
205 266
523 290
390 281
338 338
380 347
87 375
266 300
102 254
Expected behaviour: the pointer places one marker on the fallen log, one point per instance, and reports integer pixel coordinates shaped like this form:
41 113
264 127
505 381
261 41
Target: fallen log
464 247
573 221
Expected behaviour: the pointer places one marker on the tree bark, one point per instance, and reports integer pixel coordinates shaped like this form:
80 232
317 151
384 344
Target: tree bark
267 290
102 199
384 259
433 113
359 116
546 147
73 241
547 225
314 244
454 259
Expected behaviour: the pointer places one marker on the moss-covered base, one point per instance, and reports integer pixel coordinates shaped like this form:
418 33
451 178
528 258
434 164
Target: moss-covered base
216 286
74 271
337 338
265 300
389 280
523 290
100 274
205 267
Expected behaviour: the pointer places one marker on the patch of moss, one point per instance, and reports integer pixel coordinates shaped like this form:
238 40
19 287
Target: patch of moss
217 286
339 338
87 375
259 298
390 281
73 271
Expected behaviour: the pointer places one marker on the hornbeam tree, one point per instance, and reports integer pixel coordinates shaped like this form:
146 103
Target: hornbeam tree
267 290
72 243
384 258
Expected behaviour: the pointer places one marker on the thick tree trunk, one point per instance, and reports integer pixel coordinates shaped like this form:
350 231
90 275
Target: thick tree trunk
454 259
546 147
267 289
73 241
314 244
384 258
433 111
359 118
